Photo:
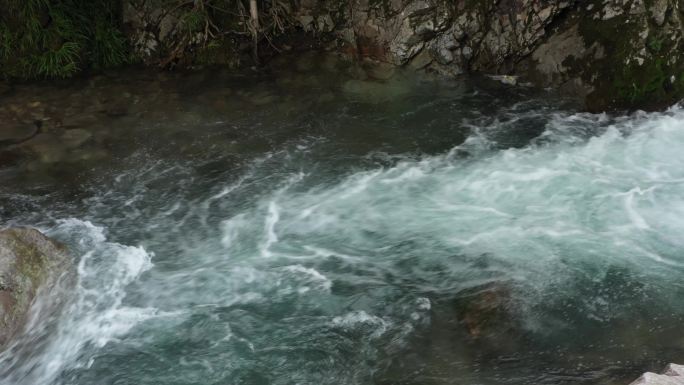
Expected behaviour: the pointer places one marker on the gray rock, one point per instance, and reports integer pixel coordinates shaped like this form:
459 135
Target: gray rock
505 79
306 22
659 11
325 23
672 375
30 263
421 61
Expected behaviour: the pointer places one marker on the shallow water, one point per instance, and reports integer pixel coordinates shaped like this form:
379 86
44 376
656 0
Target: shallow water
308 225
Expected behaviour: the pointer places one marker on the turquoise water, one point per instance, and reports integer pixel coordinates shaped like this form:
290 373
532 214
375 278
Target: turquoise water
287 228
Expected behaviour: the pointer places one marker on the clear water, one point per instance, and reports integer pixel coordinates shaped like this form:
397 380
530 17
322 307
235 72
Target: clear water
310 226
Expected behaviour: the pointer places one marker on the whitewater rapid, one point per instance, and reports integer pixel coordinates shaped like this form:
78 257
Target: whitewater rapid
291 273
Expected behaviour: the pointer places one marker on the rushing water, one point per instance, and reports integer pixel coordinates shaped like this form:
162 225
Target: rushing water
308 226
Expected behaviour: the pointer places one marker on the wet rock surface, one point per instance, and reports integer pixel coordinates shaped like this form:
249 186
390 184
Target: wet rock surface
29 262
610 54
485 311
672 375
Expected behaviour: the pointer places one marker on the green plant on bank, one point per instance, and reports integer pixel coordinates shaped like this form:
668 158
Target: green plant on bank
57 38
207 27
653 79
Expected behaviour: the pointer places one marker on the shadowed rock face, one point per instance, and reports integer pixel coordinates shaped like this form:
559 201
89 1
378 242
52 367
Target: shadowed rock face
610 54
29 262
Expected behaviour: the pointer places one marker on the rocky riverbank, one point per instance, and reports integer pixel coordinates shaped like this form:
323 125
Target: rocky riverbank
610 54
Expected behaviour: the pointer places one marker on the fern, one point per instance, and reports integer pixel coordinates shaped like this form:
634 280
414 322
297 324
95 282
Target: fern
56 38
109 47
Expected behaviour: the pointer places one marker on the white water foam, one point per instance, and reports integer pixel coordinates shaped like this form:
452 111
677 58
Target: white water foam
443 223
94 316
610 199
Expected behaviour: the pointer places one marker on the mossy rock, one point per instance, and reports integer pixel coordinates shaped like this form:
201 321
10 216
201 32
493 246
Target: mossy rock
613 56
30 263
643 67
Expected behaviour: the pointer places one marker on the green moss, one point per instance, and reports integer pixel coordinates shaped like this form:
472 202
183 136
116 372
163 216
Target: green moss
618 78
641 86
31 262
31 272
655 44
653 82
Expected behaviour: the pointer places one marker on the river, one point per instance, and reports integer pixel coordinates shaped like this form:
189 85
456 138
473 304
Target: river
308 225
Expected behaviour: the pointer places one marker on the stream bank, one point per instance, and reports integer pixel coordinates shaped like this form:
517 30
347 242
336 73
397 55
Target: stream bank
610 55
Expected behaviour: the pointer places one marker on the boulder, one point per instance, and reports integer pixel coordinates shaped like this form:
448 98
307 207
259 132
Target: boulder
30 263
673 375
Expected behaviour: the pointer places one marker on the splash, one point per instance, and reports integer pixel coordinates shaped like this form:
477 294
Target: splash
94 316
309 267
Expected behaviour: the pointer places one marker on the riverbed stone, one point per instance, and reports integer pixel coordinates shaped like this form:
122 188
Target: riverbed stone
75 137
47 146
484 310
16 132
29 262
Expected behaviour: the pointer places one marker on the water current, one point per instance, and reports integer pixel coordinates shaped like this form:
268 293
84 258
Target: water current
313 225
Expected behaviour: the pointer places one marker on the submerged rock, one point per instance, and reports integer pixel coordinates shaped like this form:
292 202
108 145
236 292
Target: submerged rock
30 262
75 137
673 375
47 146
484 310
17 133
